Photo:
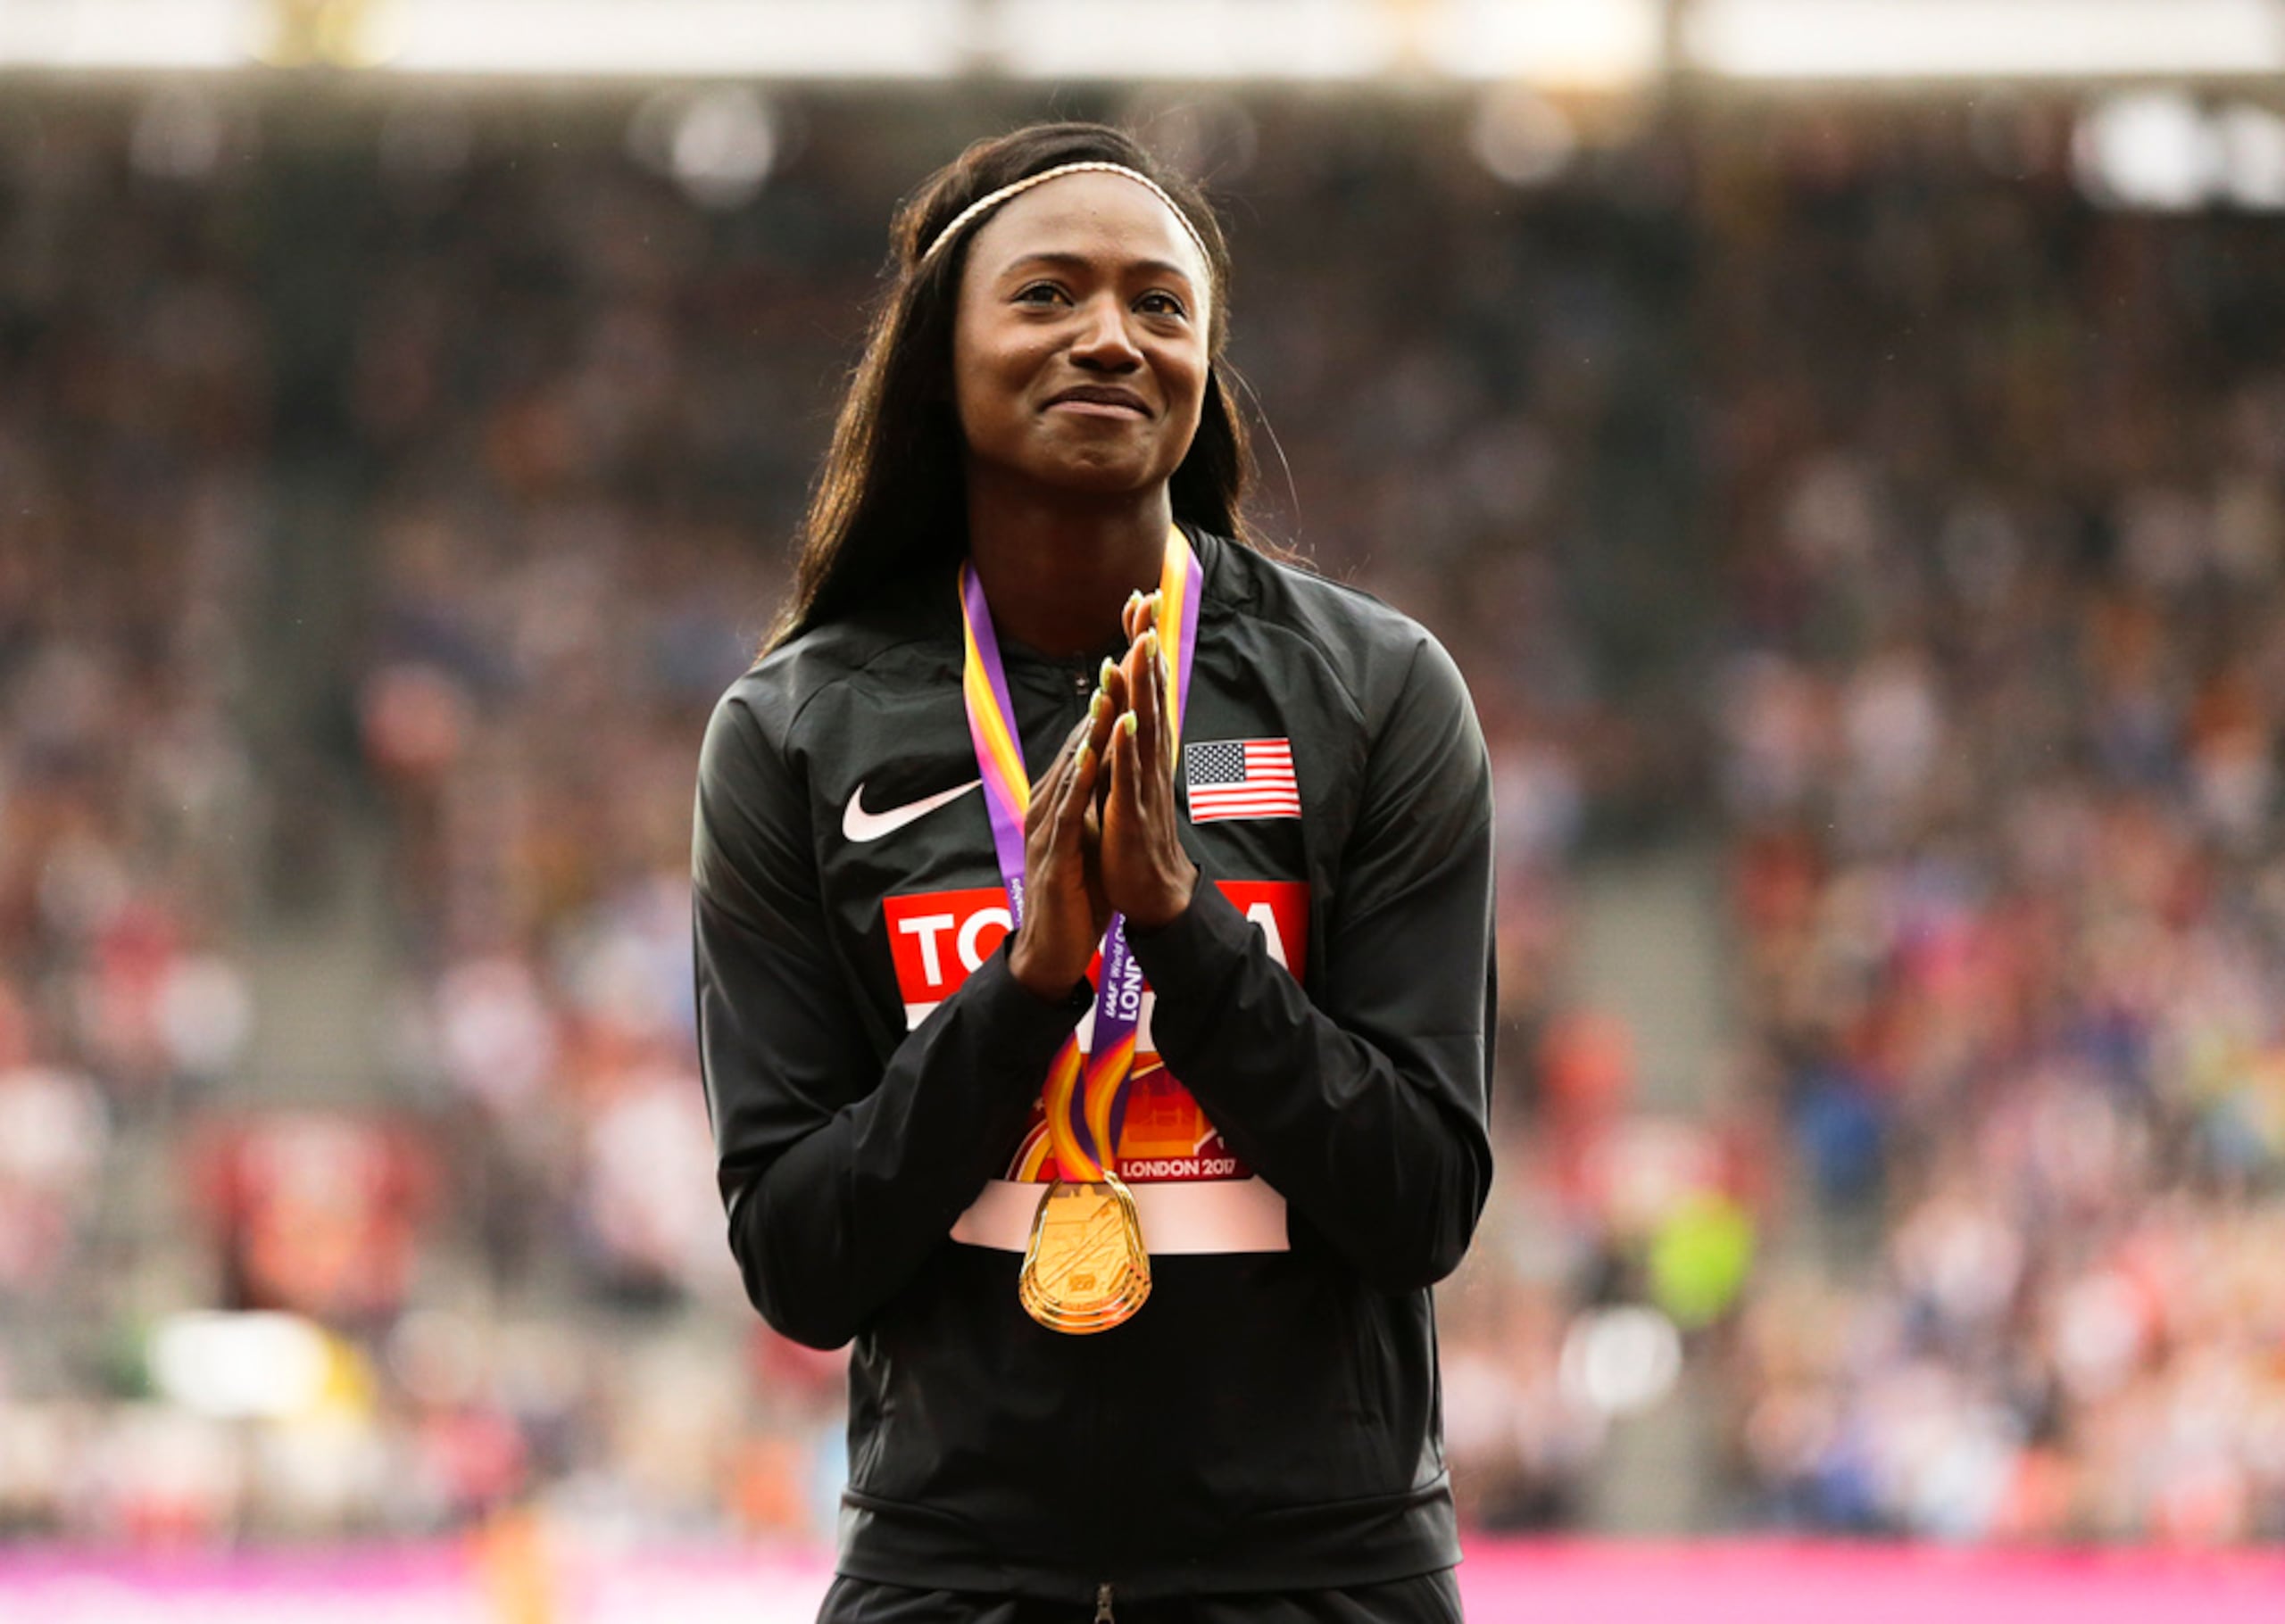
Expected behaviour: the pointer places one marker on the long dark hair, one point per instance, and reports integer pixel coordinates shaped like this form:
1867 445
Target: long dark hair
890 498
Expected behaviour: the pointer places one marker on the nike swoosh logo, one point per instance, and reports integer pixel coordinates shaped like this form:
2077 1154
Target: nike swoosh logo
860 826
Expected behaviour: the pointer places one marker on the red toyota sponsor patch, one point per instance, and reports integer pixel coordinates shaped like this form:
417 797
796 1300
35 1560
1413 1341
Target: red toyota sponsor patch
939 938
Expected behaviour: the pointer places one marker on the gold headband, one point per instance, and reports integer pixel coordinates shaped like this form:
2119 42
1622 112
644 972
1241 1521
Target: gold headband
992 200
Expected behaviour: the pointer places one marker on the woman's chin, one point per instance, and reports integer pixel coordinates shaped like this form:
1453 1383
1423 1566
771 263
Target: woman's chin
1073 466
1091 476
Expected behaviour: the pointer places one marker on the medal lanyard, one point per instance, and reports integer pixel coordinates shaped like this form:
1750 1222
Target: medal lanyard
1086 1093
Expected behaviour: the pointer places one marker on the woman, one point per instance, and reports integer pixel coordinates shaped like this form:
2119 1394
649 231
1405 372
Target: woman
1136 1254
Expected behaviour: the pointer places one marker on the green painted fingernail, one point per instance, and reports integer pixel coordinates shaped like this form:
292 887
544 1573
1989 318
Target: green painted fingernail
1110 670
1086 757
1127 723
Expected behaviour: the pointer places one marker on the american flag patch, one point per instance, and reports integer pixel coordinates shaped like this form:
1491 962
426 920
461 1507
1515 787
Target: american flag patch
1241 778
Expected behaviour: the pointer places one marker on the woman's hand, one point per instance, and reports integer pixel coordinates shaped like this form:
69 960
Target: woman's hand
1065 907
1146 875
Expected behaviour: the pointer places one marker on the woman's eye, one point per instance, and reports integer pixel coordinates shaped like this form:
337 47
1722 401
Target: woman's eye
1039 292
1160 304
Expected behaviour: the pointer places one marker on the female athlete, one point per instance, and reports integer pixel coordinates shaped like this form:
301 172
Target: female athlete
1094 924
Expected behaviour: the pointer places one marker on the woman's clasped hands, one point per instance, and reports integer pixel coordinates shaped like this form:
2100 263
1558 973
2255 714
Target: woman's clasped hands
1101 834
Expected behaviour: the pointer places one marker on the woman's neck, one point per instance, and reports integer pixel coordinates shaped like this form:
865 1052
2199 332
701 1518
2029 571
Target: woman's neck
1057 574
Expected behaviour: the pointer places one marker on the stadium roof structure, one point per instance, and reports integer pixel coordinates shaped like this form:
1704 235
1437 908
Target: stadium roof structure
1581 45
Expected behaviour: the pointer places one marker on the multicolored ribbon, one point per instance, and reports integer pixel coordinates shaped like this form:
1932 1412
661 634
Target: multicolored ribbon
1086 1093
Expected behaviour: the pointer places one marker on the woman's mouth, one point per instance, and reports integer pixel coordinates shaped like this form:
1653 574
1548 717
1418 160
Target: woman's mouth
1099 401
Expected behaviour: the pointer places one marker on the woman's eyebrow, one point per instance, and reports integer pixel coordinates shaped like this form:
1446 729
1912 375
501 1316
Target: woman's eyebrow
1066 260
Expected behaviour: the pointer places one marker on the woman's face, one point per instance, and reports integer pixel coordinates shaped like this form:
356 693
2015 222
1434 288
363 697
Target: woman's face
1079 349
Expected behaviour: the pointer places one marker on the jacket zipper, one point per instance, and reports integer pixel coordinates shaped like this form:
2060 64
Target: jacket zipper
1083 685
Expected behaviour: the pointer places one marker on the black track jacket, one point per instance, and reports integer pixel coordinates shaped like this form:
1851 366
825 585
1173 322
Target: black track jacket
1270 1419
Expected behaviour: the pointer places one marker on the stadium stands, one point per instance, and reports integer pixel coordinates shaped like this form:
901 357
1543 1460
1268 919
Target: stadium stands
1821 488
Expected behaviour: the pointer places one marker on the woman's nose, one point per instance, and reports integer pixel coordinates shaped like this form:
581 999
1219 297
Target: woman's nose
1103 340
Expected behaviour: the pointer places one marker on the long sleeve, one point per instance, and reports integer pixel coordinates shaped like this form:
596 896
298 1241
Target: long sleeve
840 1174
1367 1108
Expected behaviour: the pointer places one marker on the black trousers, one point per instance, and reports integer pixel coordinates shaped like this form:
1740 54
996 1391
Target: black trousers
1431 1598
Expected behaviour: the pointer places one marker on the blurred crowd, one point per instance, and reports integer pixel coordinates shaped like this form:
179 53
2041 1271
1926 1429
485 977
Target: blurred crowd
134 427
2003 483
1835 492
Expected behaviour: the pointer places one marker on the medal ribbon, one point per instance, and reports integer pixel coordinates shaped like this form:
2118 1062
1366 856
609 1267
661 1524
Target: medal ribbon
1086 1093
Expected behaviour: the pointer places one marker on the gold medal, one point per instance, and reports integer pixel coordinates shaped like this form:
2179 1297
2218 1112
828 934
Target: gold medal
1085 1269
